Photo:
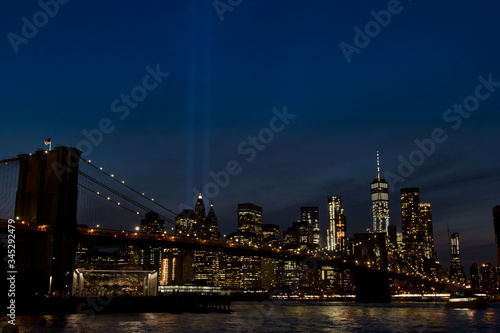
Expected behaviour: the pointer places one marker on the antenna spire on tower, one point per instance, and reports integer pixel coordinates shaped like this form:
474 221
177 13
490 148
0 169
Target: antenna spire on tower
378 166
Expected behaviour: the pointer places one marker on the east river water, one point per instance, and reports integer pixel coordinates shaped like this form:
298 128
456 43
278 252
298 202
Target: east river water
286 317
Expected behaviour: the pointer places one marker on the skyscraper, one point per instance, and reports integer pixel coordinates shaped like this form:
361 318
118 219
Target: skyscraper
206 264
484 278
336 234
297 236
496 224
310 215
152 224
456 269
413 236
199 217
212 224
380 202
425 216
185 223
250 218
271 235
245 271
203 225
418 239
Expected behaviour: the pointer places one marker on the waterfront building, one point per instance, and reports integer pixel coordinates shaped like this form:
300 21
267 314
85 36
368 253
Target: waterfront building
272 273
245 272
485 278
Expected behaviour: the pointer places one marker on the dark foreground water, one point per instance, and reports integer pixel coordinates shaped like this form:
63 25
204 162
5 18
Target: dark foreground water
286 317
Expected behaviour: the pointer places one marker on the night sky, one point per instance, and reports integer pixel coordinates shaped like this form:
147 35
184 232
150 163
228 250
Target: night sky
209 82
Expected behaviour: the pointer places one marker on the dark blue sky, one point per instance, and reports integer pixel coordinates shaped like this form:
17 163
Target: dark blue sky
226 77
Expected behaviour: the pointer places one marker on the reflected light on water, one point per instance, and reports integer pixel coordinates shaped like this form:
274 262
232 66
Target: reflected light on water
284 317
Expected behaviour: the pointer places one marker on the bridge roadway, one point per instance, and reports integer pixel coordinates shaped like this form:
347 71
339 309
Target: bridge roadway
99 236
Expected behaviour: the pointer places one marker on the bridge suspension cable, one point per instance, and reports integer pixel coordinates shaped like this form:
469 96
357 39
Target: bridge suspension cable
110 200
132 201
128 187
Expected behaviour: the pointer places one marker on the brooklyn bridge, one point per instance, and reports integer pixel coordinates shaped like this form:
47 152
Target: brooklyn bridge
77 227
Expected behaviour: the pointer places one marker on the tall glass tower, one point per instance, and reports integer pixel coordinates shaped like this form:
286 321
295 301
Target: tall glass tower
425 216
380 202
336 234
456 269
310 215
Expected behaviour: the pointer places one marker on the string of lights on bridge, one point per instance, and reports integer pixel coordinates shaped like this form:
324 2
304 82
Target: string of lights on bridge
121 195
89 162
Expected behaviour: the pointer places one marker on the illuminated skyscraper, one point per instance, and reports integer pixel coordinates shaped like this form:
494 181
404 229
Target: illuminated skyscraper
413 235
245 271
380 202
197 224
496 224
250 218
206 264
418 238
310 215
485 278
297 236
152 224
425 216
336 234
199 217
271 235
184 223
212 224
456 269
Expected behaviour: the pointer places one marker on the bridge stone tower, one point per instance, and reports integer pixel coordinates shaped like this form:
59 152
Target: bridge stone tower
372 286
47 196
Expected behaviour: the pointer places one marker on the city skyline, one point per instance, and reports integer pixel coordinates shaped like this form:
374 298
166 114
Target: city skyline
252 259
213 84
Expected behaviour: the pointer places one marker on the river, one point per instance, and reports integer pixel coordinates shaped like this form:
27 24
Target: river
286 317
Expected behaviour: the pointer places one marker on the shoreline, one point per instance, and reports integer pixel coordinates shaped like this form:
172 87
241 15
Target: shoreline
170 303
143 304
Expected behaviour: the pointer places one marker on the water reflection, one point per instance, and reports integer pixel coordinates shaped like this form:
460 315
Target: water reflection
285 317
